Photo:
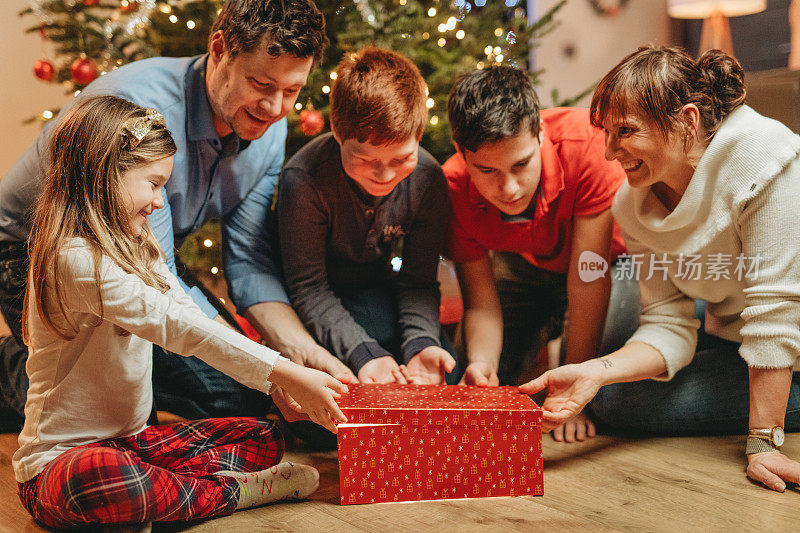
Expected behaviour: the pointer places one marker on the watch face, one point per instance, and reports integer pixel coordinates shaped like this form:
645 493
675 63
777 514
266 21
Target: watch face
777 436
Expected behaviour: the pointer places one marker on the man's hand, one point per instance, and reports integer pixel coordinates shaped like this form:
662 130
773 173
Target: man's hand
429 366
571 387
313 355
576 428
773 469
381 370
480 374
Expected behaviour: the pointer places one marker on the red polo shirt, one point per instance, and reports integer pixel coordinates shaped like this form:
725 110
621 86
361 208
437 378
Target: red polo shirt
576 180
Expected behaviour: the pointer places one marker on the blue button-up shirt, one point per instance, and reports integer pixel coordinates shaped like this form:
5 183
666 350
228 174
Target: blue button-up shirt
228 178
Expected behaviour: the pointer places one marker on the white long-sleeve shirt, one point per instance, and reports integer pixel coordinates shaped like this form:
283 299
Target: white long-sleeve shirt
98 385
738 214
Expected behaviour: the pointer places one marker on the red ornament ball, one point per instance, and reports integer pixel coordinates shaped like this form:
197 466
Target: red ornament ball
83 71
90 3
129 6
311 122
44 70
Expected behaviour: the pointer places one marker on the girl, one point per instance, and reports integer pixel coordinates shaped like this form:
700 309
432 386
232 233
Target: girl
99 293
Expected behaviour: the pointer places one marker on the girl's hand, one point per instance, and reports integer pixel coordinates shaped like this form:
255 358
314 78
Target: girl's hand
381 370
480 374
314 392
571 388
773 469
429 366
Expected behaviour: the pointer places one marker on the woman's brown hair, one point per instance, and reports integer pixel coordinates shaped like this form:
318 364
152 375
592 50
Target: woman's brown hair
658 81
81 198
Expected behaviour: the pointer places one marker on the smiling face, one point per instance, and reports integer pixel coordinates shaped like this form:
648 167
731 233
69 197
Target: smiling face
253 90
507 172
647 156
141 191
378 169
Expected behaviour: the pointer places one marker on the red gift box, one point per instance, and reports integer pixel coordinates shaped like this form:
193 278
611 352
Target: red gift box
432 442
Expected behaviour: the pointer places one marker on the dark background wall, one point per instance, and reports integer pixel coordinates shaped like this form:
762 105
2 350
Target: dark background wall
761 41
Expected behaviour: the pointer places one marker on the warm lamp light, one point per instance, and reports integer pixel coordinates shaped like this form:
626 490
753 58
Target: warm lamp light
716 31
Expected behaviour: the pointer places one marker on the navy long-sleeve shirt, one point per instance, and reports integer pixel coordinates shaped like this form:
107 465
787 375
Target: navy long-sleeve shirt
333 235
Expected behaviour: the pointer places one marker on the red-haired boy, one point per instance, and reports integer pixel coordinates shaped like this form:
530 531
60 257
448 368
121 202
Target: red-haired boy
362 216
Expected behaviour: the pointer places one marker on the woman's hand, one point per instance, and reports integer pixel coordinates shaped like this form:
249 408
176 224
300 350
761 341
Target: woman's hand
571 387
311 391
773 469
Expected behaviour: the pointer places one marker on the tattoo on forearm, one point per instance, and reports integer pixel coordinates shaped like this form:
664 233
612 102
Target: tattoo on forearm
605 362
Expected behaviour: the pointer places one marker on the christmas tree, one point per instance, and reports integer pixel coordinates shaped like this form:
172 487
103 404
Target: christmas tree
443 37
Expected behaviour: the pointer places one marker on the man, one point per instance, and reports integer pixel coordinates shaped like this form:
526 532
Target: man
226 111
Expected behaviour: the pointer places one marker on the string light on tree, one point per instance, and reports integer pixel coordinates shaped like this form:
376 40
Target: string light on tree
124 31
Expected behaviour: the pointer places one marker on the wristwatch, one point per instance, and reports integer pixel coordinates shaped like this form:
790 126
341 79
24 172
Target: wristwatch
765 440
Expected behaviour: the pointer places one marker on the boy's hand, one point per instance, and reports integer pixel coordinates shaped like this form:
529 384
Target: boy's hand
480 374
429 366
577 428
381 370
312 391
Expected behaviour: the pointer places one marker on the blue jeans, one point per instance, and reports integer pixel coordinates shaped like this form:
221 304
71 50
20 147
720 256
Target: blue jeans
710 396
375 310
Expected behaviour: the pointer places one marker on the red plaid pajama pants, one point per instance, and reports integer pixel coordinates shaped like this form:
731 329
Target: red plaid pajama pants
162 473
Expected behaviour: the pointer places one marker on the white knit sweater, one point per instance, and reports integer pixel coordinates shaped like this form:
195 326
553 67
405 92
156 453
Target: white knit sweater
740 205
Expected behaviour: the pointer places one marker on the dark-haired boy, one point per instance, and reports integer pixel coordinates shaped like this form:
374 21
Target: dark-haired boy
531 198
362 217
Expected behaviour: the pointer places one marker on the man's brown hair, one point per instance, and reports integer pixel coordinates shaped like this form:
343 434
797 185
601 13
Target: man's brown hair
378 97
293 27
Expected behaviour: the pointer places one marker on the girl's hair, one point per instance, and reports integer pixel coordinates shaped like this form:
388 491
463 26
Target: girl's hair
658 81
88 152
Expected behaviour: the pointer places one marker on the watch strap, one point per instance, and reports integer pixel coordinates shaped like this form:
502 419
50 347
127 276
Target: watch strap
757 444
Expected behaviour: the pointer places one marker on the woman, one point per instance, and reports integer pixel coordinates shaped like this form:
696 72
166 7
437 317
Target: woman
708 214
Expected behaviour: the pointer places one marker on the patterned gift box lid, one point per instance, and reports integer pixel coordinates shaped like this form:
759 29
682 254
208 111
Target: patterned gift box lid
439 405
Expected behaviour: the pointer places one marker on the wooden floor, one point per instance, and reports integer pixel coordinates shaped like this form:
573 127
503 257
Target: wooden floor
606 484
